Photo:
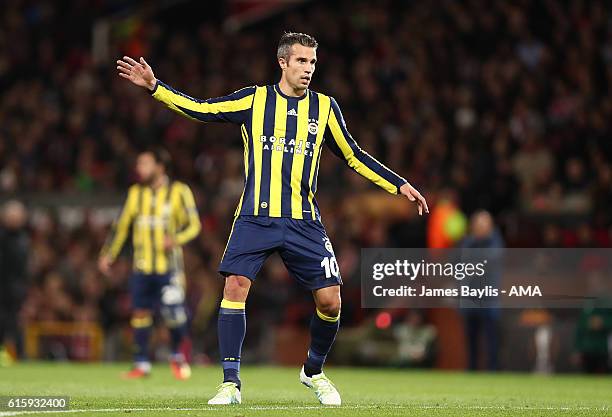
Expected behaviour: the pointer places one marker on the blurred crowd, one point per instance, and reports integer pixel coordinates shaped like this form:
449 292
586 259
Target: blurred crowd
506 104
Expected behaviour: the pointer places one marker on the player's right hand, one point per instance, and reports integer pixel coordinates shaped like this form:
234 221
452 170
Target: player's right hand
140 73
104 265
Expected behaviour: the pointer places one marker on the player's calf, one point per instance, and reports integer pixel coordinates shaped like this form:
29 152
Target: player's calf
141 322
231 327
323 328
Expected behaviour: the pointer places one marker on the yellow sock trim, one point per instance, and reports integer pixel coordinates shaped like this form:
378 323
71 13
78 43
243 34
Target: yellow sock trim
237 305
140 322
328 318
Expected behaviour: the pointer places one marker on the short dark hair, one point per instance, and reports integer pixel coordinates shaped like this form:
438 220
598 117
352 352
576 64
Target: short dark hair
291 38
161 156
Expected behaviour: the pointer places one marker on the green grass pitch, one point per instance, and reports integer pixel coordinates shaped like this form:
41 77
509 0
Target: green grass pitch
97 390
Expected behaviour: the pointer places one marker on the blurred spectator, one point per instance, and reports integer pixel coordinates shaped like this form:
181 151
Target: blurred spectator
388 340
14 249
593 339
416 341
482 324
446 223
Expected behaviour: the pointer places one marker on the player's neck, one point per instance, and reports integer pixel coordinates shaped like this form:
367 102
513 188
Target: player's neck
159 182
289 91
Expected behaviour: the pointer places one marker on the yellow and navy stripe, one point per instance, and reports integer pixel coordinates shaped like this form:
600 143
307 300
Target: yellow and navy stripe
327 318
232 307
150 215
283 138
232 108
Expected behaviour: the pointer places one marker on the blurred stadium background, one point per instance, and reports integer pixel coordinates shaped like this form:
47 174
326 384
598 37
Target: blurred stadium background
502 106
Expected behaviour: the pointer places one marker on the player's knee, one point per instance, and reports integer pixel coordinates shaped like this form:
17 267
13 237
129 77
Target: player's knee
236 288
331 309
328 301
329 305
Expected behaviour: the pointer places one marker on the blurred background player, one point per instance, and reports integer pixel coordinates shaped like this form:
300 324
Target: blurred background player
14 248
162 216
283 128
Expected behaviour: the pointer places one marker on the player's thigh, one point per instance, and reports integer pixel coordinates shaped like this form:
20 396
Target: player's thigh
251 241
309 256
143 291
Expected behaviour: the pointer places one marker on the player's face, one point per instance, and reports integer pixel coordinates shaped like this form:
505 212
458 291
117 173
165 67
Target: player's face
146 167
300 67
482 225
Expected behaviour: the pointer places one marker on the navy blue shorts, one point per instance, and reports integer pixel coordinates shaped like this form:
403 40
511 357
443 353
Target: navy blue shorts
147 290
302 244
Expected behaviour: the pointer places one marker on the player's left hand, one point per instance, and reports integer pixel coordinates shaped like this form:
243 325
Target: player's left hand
169 243
414 195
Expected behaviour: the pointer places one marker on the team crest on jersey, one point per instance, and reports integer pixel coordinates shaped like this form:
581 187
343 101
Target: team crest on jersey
313 126
328 245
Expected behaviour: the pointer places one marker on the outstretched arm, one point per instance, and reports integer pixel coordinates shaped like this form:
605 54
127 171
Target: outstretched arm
232 108
344 146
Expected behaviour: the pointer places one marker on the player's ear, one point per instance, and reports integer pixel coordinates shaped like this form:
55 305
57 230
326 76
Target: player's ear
282 62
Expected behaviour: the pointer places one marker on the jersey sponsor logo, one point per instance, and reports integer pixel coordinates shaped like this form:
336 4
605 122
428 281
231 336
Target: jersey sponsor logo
292 112
151 221
272 143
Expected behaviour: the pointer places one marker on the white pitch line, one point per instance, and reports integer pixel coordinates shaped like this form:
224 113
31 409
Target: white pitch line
307 407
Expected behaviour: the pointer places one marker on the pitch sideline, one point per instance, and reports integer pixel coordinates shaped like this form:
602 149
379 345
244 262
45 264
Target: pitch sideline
313 407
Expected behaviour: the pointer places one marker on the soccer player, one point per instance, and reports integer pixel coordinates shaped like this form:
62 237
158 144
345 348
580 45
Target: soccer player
283 127
161 216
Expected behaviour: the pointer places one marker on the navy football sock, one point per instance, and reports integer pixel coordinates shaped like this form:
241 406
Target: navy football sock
232 329
323 330
142 330
176 337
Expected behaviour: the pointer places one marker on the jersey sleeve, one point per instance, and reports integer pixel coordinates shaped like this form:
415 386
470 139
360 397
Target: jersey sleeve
121 227
340 141
232 108
190 224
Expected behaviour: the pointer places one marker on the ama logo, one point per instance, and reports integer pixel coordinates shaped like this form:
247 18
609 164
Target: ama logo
529 291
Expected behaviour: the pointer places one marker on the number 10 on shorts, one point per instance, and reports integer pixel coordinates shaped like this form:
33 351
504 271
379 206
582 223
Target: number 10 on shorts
330 265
